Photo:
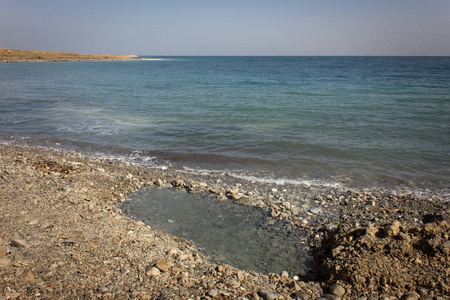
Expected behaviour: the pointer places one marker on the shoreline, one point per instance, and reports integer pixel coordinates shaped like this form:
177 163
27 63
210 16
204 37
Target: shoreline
63 235
14 55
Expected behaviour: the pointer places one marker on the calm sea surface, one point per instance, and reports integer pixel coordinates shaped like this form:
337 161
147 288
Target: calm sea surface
340 121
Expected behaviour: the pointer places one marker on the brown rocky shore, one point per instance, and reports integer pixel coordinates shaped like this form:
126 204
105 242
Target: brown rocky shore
14 55
63 236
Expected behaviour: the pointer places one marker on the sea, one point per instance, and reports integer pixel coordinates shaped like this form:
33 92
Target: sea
327 121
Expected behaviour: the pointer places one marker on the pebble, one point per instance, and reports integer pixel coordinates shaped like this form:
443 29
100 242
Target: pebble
154 271
232 283
315 210
268 295
164 264
213 293
410 296
19 243
337 290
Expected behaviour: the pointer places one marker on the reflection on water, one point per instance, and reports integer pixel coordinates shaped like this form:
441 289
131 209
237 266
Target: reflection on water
241 236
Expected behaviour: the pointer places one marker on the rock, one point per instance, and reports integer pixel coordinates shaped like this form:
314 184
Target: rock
68 242
154 271
164 264
260 204
235 196
337 290
4 262
284 274
335 252
215 190
410 296
178 183
232 283
28 278
287 205
2 252
240 276
267 295
393 229
19 243
213 293
140 223
315 210
331 297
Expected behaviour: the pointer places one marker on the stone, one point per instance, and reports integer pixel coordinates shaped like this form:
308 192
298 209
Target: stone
2 252
284 274
240 276
393 229
29 278
315 210
235 196
159 182
232 283
331 297
154 271
4 262
267 295
213 293
215 190
410 296
335 252
164 264
337 290
19 243
140 223
233 191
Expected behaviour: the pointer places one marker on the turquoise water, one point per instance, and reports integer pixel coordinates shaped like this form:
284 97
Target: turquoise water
340 121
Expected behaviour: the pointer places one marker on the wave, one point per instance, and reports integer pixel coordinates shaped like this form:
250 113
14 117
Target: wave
263 179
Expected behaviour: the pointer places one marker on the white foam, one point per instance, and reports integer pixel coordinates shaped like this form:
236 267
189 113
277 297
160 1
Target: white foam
268 180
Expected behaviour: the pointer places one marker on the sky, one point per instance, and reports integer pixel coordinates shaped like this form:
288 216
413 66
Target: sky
229 27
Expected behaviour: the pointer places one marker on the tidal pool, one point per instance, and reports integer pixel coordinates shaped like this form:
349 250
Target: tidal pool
244 237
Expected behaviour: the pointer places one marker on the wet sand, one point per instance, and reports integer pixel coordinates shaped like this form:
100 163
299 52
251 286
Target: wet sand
64 236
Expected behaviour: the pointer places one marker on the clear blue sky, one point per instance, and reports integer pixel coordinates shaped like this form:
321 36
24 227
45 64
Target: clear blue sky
229 27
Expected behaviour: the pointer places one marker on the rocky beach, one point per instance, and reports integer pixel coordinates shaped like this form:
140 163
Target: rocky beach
64 236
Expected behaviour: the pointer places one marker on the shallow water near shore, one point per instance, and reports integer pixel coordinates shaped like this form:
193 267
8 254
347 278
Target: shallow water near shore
350 122
241 236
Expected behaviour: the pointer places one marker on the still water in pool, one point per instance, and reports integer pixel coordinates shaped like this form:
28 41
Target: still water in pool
241 236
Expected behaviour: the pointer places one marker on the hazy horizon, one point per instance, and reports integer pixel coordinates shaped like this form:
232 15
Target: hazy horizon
231 28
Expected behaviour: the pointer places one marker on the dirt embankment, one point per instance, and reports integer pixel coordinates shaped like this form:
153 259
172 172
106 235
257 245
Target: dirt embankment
14 55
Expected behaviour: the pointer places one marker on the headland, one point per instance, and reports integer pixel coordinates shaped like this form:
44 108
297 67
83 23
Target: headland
14 55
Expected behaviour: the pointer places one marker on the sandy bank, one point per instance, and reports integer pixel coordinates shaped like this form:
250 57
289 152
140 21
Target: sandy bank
14 55
63 236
